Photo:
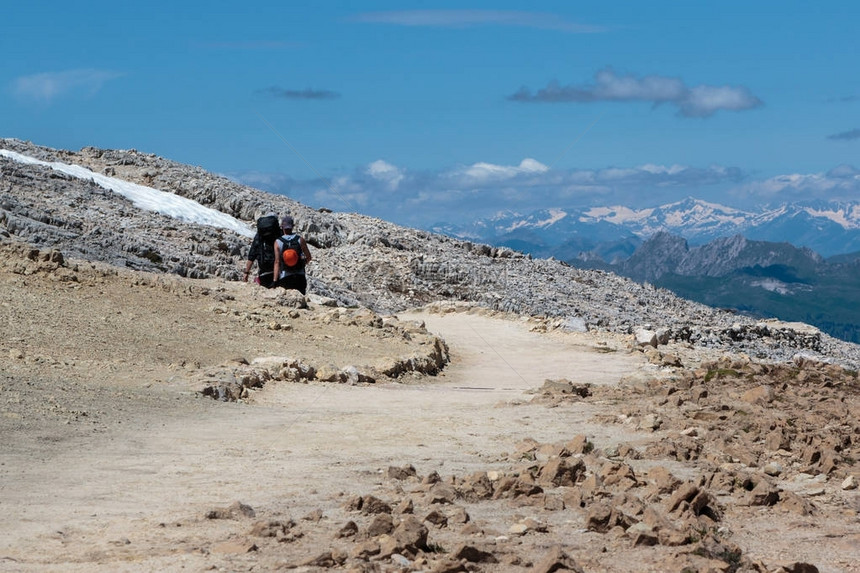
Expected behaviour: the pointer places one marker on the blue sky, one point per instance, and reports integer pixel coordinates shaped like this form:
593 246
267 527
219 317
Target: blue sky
421 112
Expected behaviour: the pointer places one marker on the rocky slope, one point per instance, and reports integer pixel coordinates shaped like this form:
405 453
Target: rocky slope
358 260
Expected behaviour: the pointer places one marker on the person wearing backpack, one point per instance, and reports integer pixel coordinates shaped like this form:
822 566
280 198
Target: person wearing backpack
262 251
291 257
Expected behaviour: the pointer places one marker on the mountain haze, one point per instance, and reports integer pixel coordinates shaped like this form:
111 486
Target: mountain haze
829 228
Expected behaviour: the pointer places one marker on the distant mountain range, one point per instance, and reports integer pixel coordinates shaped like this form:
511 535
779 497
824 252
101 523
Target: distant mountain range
759 278
769 263
613 233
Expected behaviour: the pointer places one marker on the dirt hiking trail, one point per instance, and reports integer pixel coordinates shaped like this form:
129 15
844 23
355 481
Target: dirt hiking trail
100 501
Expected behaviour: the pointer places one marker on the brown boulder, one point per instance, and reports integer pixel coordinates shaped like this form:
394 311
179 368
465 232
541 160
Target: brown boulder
402 473
476 487
662 480
579 445
437 518
762 494
373 505
410 536
235 546
233 511
619 475
556 560
602 517
759 395
558 472
512 487
473 554
380 525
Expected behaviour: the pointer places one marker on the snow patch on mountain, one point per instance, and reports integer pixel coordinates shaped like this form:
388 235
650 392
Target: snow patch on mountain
847 218
617 215
696 220
555 215
144 197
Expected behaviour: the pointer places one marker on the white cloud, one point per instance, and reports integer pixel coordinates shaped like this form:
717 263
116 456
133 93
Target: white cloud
469 18
704 101
487 172
46 87
841 183
696 101
385 172
485 187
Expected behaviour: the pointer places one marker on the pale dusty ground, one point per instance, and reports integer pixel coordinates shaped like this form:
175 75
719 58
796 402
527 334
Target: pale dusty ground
111 460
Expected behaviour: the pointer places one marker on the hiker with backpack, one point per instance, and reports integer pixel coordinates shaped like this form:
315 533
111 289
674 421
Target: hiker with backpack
291 256
262 251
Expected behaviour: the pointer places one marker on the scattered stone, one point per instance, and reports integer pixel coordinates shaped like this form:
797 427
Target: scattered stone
558 472
579 445
234 546
602 517
233 511
849 483
473 554
371 505
326 559
662 480
274 528
437 518
410 536
773 469
760 394
405 506
556 560
402 473
645 337
763 493
564 386
797 567
314 516
379 525
650 422
459 515
449 565
350 529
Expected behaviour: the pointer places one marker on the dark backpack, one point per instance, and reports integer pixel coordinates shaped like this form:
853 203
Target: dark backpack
269 230
291 253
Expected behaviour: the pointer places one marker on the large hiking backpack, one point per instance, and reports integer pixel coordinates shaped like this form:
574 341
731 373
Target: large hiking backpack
291 253
269 230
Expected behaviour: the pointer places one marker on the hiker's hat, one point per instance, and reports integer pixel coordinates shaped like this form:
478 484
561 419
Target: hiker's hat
287 222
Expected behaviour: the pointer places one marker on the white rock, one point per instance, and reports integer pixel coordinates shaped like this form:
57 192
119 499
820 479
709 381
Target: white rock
650 422
646 337
773 469
849 483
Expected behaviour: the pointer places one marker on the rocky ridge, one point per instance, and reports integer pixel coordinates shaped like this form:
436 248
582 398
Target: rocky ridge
360 261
